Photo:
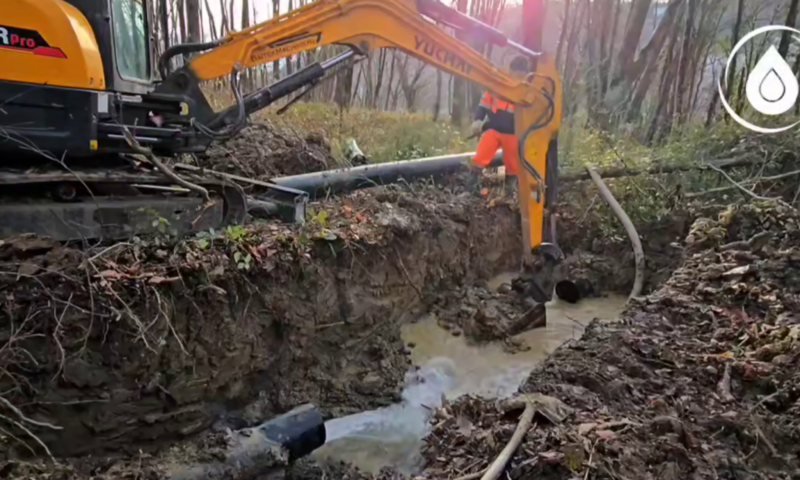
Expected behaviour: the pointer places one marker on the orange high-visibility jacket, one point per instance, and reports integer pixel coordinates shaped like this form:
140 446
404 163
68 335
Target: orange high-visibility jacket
499 112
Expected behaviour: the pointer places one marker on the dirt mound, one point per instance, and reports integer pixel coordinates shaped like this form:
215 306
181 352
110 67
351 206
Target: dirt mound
699 380
483 315
263 151
143 343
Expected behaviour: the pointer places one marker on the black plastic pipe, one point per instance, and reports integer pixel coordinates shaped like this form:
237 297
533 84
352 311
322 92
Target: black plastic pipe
320 184
262 451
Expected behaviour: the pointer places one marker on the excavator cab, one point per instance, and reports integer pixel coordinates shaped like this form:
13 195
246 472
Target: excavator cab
132 65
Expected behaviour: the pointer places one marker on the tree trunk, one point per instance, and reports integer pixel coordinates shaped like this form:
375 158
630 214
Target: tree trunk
683 83
437 103
613 43
729 81
193 20
163 19
666 82
562 37
391 80
656 43
344 86
182 20
249 81
791 18
712 106
459 84
630 42
376 97
276 65
290 58
606 9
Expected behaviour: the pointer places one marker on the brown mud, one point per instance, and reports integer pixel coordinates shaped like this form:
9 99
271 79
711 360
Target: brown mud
132 346
261 151
698 381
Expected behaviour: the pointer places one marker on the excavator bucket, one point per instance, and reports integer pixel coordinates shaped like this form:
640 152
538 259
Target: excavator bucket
537 126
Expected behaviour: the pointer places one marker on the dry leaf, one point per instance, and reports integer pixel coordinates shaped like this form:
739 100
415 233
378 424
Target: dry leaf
585 428
606 435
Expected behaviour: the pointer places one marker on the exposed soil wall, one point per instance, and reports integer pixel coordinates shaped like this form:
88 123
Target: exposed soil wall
131 346
599 251
699 380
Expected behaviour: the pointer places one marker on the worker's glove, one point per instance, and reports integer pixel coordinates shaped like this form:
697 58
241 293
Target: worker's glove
477 127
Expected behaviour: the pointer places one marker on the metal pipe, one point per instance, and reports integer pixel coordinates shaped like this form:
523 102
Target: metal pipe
320 184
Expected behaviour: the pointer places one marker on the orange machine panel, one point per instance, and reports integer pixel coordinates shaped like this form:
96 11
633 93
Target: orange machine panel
49 42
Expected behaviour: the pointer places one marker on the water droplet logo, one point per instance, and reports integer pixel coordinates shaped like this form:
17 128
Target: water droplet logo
772 87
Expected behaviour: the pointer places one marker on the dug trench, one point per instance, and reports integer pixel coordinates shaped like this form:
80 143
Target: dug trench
137 344
128 348
115 352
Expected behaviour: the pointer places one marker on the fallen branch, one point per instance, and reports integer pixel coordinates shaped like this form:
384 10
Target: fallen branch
134 144
638 252
747 182
499 464
619 172
724 386
740 187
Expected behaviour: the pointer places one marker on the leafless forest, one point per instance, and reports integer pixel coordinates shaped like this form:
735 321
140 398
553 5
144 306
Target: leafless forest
640 65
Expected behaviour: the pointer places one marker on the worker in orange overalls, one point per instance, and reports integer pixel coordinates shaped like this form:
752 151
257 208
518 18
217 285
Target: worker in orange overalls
494 122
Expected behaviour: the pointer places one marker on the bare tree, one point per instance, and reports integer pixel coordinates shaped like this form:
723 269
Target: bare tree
412 85
633 32
791 18
437 103
459 84
163 19
290 58
276 65
684 81
376 95
729 81
193 20
668 71
562 38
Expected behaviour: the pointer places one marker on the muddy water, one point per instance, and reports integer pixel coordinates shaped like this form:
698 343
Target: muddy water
449 366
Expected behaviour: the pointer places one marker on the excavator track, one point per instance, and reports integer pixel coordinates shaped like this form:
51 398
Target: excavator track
113 204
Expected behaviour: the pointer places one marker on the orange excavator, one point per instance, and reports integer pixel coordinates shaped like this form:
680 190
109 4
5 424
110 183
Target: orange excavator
84 120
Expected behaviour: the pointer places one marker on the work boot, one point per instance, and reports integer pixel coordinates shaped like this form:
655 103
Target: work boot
511 184
474 178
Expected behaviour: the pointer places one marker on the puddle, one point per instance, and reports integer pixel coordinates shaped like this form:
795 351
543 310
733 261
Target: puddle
452 367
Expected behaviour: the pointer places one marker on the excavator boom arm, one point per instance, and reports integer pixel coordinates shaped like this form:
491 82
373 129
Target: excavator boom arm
365 25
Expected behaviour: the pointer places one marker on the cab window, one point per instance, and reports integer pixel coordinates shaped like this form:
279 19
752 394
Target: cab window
130 39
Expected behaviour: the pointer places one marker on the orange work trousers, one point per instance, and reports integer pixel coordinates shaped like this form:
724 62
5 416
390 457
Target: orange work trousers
487 148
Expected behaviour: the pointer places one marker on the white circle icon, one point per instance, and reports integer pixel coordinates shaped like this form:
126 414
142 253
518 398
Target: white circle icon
771 88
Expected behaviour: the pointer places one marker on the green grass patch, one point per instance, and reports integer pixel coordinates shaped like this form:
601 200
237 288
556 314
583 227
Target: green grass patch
382 136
